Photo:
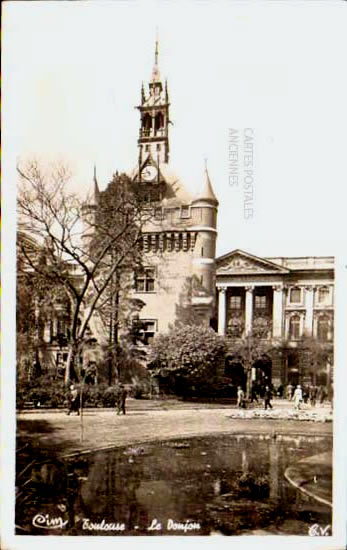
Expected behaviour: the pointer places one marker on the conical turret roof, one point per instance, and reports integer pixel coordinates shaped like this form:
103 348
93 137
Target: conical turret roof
206 193
93 193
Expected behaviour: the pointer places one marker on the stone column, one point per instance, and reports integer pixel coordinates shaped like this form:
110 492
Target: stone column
308 325
55 327
222 310
249 309
47 332
277 311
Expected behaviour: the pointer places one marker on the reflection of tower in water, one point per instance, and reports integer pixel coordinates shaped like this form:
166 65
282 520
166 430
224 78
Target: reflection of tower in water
274 457
244 462
110 491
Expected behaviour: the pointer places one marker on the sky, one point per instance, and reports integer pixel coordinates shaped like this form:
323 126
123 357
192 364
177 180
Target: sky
272 74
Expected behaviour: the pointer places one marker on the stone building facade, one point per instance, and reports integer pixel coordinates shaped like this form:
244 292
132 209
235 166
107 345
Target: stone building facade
292 301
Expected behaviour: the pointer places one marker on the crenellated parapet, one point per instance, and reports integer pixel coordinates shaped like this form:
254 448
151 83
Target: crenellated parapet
171 242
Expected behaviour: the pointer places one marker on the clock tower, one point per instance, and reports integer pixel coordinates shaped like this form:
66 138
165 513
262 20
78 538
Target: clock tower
154 126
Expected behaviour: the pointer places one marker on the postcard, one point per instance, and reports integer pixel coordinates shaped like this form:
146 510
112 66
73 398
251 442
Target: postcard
174 274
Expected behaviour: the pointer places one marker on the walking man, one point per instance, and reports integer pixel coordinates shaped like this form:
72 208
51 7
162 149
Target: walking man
267 398
313 395
74 401
289 392
254 396
240 398
121 398
297 397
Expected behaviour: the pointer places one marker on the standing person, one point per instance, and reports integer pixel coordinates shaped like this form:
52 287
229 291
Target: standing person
254 396
297 397
267 397
73 400
289 392
121 399
240 398
323 395
313 395
280 390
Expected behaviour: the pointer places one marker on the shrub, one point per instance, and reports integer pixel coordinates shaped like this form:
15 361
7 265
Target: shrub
43 391
110 395
187 357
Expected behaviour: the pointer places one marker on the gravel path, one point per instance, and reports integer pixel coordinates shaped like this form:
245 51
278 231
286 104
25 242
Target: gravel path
59 434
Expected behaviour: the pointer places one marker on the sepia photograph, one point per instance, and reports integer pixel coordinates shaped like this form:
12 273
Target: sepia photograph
174 274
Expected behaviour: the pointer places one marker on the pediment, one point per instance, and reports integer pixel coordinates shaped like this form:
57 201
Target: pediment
241 263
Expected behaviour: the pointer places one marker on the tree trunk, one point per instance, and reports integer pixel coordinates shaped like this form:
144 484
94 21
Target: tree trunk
314 377
249 383
81 409
70 361
110 368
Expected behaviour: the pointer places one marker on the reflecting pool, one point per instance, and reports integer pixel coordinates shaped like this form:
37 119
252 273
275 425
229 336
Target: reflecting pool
228 485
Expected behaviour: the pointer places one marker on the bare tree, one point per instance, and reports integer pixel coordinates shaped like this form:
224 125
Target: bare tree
83 245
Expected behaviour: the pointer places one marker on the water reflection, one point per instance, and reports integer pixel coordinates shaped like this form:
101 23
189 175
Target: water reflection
229 484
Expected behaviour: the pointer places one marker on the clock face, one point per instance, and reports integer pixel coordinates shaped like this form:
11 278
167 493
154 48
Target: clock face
149 173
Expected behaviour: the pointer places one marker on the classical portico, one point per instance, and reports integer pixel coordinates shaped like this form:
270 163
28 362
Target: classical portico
280 300
250 296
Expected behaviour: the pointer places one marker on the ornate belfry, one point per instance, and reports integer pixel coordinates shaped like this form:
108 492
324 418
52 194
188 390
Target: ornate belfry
181 228
154 128
153 141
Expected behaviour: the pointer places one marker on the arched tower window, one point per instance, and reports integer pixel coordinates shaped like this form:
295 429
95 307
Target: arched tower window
159 121
147 123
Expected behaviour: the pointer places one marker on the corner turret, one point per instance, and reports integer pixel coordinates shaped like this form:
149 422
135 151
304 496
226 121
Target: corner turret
204 215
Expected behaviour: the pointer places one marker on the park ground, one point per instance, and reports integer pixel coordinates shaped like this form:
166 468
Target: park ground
52 433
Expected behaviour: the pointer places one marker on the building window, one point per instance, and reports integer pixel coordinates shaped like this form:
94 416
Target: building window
158 213
158 147
185 212
295 295
235 302
260 302
144 280
323 328
147 148
324 295
294 327
147 330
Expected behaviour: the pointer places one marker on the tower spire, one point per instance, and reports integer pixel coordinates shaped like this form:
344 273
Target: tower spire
155 72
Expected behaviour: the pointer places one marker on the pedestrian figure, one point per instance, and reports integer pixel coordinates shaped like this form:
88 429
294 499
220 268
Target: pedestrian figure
121 398
297 397
267 398
289 392
313 395
74 402
240 398
254 396
322 393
